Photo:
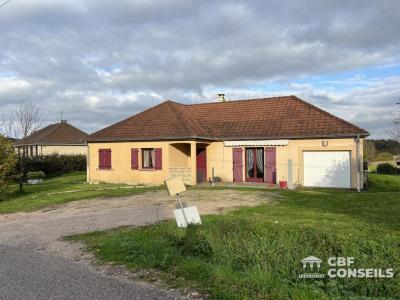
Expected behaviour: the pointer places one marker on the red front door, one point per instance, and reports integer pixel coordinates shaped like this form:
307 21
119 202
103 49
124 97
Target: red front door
201 159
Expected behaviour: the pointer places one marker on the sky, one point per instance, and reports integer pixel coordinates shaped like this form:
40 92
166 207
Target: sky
102 61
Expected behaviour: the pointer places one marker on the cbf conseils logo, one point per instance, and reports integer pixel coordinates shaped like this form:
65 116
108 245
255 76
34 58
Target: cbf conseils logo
309 263
341 267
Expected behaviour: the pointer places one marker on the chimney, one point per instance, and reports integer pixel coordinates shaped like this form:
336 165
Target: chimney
221 97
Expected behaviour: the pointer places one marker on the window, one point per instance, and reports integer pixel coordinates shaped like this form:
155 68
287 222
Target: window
254 164
105 159
148 158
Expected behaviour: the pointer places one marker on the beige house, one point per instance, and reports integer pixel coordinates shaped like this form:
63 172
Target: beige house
60 138
260 140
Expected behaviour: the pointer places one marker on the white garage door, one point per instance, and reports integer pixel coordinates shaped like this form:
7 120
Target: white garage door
327 168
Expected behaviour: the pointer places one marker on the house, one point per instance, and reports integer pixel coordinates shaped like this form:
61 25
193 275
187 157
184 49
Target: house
258 140
60 138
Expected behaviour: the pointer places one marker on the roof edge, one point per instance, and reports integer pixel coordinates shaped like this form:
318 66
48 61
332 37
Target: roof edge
329 114
171 138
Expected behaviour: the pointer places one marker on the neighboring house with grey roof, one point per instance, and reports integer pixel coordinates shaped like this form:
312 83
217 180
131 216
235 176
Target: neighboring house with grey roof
60 138
258 140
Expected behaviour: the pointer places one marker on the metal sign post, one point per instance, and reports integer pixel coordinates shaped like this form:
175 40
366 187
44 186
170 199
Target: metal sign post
181 206
183 215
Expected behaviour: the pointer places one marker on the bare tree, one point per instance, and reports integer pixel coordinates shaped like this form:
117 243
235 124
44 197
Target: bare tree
28 118
7 125
394 130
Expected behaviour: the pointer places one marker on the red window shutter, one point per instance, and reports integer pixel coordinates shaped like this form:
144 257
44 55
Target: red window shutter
101 159
270 165
158 158
134 158
107 159
237 164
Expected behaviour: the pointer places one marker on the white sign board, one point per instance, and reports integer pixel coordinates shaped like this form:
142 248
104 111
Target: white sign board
191 214
175 186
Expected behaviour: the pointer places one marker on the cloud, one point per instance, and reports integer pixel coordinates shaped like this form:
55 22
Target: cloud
101 61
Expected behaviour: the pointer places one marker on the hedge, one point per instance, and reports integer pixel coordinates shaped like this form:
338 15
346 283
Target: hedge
387 169
54 165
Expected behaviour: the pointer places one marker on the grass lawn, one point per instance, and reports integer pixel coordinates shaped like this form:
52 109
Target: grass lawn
255 253
35 196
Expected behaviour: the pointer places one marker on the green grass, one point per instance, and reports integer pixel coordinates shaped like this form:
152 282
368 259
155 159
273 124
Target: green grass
255 253
383 183
35 196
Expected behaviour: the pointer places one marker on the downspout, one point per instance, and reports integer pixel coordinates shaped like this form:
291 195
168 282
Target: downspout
87 163
357 139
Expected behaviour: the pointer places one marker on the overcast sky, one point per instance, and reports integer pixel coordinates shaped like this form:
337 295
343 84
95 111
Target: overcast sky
101 61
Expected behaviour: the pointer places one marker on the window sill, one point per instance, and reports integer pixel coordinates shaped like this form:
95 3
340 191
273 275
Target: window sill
104 169
147 169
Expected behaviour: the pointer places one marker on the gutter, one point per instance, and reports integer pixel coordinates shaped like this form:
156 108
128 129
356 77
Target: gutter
20 145
172 138
358 164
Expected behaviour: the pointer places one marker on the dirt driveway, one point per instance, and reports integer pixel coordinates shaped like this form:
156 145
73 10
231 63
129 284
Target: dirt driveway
43 230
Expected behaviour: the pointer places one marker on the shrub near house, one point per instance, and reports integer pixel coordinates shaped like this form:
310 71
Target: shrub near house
8 160
55 165
387 169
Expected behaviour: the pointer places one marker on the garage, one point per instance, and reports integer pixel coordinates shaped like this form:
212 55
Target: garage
327 169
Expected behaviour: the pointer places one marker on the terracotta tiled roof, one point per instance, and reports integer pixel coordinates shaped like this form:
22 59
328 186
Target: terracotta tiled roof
267 118
55 134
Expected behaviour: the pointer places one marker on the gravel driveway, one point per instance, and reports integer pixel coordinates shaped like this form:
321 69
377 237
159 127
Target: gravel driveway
31 243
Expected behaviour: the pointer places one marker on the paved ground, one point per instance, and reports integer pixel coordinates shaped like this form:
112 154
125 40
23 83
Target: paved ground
27 274
35 262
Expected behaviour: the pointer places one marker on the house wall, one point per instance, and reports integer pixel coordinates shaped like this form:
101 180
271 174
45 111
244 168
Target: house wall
221 158
63 150
179 155
121 171
294 150
177 159
49 150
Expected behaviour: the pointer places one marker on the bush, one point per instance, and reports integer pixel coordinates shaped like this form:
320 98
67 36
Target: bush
35 175
387 169
4 190
8 161
54 165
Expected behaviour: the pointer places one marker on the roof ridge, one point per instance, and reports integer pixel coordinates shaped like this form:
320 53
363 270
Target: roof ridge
329 114
182 118
72 126
240 100
57 125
